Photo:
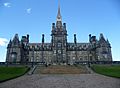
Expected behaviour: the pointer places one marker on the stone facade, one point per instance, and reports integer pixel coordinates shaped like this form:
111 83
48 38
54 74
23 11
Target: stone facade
59 51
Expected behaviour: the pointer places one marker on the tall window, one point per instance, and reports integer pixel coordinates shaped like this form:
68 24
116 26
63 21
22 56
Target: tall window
14 56
59 45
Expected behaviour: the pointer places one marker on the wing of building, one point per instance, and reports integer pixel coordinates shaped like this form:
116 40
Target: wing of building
59 50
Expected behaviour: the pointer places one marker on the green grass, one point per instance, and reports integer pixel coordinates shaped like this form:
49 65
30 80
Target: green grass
108 70
7 73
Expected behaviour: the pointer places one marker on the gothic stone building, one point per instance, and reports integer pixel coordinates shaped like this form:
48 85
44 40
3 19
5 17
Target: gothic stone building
59 50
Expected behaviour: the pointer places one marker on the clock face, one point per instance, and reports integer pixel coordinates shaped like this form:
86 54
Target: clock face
58 17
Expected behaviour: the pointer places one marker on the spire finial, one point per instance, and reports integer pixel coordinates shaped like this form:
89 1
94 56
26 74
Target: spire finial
59 18
59 3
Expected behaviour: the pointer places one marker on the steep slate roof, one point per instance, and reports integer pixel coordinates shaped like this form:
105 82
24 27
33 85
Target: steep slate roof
38 46
78 46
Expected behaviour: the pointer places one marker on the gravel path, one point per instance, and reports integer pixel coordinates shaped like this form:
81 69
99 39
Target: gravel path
62 81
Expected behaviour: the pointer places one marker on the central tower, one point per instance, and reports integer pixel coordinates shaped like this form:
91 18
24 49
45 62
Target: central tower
59 39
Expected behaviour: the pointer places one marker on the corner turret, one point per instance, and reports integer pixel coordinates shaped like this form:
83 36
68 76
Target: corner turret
104 49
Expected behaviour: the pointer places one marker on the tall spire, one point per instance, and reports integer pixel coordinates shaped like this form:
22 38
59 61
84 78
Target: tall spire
59 18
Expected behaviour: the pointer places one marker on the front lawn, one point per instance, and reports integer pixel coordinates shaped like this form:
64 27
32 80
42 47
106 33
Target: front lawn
108 70
7 73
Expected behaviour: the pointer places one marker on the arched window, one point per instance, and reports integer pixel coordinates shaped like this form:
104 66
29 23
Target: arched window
14 56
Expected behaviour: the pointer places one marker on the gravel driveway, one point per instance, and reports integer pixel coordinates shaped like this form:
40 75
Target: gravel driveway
62 81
